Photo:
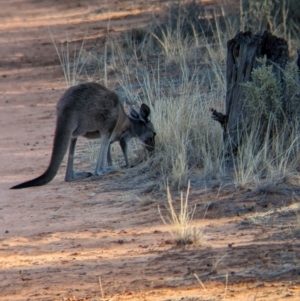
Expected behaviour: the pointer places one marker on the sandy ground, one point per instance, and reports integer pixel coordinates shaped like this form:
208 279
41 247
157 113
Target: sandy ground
94 239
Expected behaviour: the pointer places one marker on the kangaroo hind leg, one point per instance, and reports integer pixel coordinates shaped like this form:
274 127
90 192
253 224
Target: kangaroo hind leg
103 155
70 174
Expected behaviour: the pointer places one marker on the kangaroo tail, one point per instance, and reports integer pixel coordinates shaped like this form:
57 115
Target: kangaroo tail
60 147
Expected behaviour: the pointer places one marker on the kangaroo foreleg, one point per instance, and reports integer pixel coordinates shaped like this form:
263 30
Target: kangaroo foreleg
123 144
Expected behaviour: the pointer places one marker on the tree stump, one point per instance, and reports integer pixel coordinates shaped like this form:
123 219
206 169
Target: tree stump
242 52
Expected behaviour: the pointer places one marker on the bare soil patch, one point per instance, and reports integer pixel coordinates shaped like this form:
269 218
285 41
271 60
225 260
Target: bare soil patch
101 240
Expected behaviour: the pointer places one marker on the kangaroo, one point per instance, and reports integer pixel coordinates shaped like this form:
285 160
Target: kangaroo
92 111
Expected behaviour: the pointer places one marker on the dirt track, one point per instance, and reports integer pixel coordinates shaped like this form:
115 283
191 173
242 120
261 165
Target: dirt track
91 240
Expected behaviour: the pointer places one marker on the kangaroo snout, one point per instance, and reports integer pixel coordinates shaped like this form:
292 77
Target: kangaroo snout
150 144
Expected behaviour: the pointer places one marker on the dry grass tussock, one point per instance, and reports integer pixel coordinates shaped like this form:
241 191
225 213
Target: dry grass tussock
183 229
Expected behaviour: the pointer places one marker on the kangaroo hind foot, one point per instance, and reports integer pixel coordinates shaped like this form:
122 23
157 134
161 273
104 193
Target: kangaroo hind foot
78 175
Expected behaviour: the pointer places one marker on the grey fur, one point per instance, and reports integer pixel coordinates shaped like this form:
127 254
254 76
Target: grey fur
92 111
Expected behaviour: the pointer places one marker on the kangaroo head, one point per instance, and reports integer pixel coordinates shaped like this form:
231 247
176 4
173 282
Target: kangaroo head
142 126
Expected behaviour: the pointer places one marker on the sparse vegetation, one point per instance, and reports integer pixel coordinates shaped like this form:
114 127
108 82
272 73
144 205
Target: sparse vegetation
178 68
104 239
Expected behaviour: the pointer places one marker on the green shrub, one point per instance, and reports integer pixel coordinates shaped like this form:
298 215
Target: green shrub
263 94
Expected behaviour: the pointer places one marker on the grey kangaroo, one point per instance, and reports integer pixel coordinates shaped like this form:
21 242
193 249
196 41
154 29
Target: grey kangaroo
92 111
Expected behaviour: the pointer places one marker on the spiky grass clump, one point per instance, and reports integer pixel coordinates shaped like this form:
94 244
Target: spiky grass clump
181 221
72 61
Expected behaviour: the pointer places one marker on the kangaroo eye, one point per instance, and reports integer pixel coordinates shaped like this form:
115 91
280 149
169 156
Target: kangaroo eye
154 134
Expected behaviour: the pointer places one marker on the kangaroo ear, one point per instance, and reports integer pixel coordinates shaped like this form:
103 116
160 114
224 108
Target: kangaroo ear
134 114
145 113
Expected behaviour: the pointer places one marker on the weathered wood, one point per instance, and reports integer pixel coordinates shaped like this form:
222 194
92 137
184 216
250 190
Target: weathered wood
298 59
242 52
